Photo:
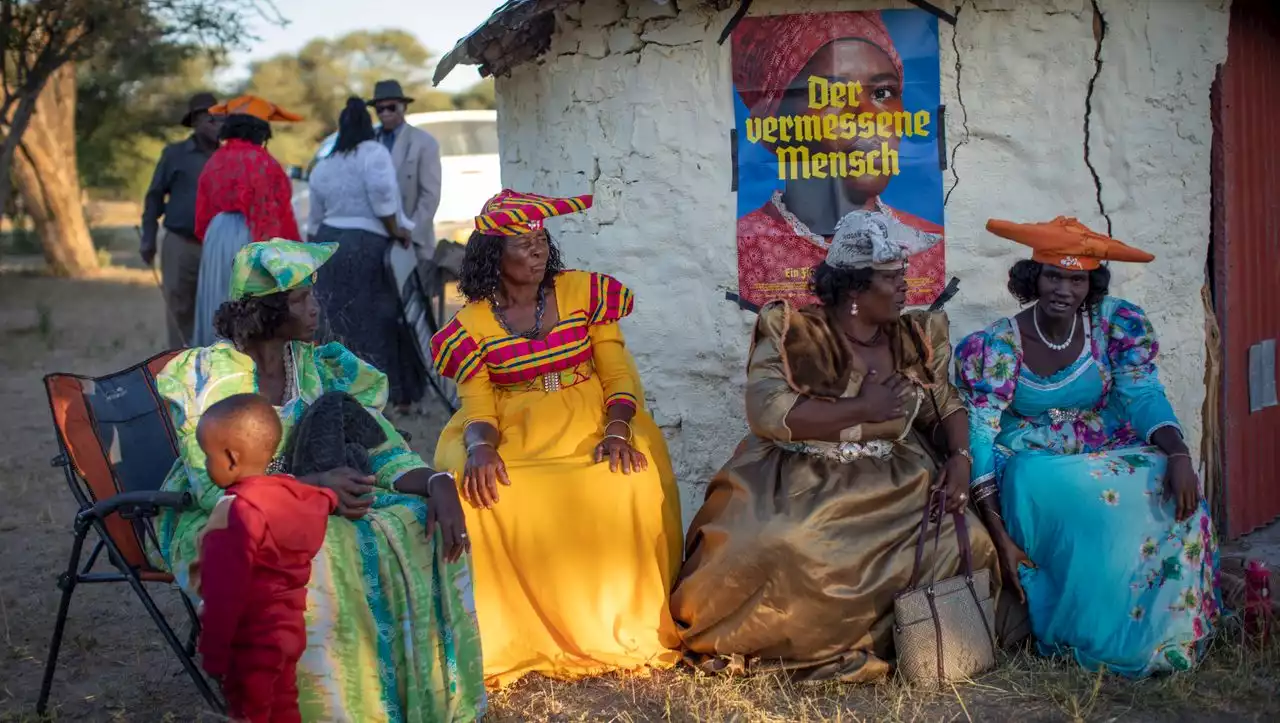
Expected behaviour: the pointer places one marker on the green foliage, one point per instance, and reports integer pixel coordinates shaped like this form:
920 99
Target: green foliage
132 96
130 102
128 41
478 97
317 80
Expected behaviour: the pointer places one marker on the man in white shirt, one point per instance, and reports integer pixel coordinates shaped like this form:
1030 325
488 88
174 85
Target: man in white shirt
416 155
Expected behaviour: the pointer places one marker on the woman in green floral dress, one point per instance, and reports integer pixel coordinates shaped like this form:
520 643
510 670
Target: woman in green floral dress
391 631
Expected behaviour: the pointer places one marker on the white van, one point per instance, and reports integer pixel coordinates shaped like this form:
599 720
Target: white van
470 171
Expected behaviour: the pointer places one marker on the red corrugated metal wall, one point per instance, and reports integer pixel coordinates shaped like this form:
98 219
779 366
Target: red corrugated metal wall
1247 254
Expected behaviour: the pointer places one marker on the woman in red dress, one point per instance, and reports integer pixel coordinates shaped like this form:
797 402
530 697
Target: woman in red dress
244 196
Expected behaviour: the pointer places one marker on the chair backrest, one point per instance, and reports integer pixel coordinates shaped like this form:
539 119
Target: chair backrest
117 436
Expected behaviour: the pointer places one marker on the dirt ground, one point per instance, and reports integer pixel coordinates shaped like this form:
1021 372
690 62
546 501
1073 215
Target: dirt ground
115 666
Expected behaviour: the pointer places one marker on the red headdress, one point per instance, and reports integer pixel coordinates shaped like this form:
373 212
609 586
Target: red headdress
770 51
512 213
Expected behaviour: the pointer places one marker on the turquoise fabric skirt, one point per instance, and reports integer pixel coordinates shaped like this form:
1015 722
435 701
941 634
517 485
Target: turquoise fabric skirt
227 234
1119 583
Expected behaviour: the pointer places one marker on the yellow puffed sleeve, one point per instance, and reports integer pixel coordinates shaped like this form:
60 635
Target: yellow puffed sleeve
615 366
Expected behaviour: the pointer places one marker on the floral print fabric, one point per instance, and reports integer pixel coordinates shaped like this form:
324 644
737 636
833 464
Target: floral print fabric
244 178
1119 583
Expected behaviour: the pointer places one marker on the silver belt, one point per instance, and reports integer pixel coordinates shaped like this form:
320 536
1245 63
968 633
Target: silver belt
844 452
1062 416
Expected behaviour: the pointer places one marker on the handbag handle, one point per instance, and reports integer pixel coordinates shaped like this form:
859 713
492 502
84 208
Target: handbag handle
966 561
962 537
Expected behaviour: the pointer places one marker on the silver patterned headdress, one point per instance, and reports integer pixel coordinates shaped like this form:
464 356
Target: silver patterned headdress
876 240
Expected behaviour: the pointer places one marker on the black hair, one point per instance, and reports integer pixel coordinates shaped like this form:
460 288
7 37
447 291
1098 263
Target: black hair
255 318
1024 283
832 286
482 266
245 128
246 410
354 127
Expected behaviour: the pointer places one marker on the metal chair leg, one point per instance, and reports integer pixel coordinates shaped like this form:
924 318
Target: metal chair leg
67 582
194 618
170 637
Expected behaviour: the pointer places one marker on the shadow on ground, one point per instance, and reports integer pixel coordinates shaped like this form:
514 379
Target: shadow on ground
115 665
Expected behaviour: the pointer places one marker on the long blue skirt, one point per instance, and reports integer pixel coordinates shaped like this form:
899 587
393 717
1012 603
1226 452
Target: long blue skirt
1119 583
227 234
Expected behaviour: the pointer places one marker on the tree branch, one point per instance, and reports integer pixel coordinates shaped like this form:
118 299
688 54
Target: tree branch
38 37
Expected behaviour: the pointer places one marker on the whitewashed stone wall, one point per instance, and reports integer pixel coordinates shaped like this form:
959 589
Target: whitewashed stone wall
633 103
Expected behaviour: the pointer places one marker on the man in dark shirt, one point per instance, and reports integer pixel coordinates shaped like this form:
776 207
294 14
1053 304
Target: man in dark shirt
172 195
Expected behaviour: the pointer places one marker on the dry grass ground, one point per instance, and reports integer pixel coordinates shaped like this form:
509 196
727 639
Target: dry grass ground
115 667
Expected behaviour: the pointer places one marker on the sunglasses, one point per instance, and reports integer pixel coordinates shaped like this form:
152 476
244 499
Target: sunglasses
387 107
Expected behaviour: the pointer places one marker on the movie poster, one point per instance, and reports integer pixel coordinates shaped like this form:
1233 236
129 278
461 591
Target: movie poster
835 112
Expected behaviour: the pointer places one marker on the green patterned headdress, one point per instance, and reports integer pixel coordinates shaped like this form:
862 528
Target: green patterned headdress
269 267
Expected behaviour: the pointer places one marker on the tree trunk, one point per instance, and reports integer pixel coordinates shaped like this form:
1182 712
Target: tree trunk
14 128
45 170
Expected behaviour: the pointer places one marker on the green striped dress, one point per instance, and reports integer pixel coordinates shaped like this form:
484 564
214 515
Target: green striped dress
391 627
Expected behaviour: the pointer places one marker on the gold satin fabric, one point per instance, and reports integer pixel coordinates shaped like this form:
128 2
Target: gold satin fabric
794 559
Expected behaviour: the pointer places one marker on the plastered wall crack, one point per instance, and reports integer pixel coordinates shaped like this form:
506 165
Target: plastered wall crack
1099 35
964 112
670 226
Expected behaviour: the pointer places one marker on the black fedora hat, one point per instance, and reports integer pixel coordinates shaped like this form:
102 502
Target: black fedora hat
388 90
199 103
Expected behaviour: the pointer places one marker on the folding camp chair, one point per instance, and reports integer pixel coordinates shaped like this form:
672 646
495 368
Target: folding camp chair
422 290
116 445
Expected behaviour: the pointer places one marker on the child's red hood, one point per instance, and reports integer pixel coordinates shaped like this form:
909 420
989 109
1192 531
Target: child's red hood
297 513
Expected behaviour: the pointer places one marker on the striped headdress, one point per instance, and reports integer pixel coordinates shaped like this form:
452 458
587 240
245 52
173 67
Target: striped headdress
512 213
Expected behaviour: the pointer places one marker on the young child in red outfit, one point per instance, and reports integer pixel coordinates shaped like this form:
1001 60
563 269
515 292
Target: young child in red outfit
255 562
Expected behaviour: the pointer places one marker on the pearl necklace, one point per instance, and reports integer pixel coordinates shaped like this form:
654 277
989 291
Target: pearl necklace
1035 320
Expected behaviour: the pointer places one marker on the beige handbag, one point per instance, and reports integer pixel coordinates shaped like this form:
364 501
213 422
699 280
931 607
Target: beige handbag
942 629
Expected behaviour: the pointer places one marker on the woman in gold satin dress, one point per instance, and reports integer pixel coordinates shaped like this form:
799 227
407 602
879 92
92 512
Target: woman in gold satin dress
810 529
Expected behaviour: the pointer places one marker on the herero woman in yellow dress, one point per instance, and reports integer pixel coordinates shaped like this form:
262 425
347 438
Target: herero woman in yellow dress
574 514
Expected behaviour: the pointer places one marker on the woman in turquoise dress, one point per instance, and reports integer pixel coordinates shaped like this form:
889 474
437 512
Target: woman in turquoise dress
1080 469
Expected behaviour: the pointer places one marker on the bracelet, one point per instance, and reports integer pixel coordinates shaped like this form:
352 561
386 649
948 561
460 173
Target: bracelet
476 445
631 433
433 477
1176 455
982 491
618 437
963 452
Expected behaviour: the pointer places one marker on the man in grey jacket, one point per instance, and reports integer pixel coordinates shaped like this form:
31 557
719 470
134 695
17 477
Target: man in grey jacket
417 159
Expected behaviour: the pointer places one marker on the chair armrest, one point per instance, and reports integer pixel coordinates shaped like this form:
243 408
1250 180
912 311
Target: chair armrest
131 505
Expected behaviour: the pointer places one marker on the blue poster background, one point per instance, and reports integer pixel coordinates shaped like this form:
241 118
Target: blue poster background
918 189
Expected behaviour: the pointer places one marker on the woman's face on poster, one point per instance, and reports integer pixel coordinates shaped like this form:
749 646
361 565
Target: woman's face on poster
851 61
